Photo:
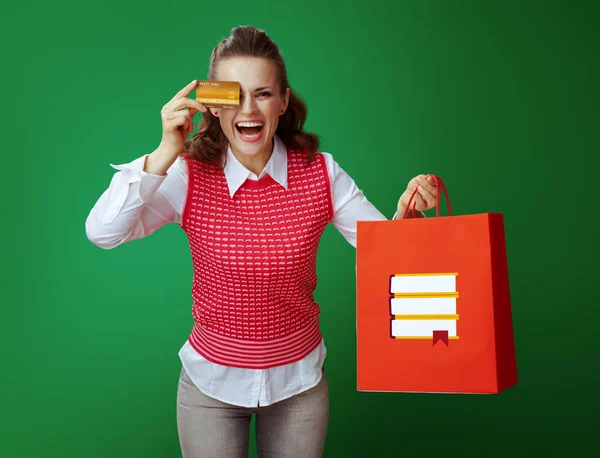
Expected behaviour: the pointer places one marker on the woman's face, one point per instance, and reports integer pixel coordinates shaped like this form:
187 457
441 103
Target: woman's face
250 126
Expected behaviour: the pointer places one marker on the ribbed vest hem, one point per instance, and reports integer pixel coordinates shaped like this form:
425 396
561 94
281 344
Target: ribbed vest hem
252 354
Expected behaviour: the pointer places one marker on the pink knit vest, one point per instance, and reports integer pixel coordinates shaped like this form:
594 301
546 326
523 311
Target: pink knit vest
254 258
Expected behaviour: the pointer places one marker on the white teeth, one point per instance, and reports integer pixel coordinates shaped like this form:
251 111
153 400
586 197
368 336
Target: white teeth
249 124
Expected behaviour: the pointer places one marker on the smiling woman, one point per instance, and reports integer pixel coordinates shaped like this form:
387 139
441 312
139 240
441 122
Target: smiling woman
250 128
268 105
253 195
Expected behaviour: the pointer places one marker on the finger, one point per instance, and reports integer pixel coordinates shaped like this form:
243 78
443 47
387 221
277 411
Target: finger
183 127
192 112
405 199
176 114
175 124
190 103
175 120
428 194
410 190
176 105
418 203
190 124
426 180
187 128
185 91
425 184
428 199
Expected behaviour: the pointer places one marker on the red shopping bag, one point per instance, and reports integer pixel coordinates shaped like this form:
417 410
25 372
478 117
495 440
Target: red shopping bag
433 305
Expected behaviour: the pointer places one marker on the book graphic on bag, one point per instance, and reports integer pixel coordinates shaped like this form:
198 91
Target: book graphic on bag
423 306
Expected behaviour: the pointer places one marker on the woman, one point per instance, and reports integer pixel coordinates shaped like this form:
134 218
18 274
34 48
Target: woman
253 196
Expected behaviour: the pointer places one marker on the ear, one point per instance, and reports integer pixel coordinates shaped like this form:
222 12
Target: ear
286 101
214 112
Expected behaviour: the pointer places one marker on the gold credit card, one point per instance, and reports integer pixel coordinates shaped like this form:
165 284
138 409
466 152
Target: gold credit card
218 94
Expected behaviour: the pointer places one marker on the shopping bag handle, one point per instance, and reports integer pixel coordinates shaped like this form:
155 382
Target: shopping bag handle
439 183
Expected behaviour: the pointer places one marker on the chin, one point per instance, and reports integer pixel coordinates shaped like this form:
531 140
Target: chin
253 148
248 150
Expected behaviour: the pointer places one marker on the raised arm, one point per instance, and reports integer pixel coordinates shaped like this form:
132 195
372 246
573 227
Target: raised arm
147 193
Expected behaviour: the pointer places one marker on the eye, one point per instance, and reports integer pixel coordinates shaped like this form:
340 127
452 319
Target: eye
264 93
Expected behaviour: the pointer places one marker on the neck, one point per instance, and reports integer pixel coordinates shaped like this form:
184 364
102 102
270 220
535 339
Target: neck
255 163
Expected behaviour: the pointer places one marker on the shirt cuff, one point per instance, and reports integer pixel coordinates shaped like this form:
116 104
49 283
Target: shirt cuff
149 183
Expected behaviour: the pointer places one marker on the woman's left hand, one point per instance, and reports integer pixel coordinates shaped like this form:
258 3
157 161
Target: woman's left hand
425 198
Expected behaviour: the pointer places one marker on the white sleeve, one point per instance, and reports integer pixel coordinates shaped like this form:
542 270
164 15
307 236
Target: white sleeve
349 203
136 203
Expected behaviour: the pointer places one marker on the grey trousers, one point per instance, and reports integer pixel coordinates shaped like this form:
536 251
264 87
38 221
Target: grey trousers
294 427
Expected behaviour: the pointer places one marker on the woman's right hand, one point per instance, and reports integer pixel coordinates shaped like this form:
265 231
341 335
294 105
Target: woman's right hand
177 122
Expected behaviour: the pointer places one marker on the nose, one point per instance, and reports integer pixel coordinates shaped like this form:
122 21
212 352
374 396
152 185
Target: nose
248 105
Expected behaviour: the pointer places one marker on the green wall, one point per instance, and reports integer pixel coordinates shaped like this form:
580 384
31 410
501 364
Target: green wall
499 98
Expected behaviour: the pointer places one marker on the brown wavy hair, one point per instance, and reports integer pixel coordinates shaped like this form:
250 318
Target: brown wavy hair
209 144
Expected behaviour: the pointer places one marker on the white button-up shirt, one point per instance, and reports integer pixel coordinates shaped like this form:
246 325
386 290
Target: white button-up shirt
137 203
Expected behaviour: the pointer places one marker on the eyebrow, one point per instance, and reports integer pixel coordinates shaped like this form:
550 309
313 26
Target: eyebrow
262 89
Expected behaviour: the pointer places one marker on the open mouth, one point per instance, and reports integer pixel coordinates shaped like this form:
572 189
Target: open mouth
250 130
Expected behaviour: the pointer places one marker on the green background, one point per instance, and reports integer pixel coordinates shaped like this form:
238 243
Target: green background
499 98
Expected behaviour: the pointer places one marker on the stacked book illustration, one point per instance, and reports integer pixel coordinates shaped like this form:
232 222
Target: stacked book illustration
423 306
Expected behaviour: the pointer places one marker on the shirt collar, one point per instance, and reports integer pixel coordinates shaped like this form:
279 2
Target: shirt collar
236 174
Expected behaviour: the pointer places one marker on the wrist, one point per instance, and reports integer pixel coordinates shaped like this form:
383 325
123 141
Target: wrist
159 161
